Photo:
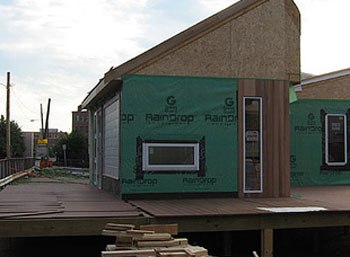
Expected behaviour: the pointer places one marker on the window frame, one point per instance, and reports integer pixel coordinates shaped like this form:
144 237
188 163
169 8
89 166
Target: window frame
345 141
245 190
173 167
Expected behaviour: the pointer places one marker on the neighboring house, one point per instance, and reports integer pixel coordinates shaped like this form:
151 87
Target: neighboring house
197 128
320 130
80 121
333 85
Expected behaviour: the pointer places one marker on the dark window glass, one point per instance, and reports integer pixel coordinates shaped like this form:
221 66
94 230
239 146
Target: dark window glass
169 155
252 141
336 139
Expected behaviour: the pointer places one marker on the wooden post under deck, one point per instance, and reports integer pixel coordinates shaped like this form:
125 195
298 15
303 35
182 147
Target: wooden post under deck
227 243
267 242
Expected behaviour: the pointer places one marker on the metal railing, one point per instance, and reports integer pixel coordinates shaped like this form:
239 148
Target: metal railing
13 165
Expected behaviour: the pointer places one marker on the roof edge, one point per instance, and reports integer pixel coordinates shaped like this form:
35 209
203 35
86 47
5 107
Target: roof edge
94 92
322 77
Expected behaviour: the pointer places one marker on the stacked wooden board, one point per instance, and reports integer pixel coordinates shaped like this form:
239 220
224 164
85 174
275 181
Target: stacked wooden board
149 240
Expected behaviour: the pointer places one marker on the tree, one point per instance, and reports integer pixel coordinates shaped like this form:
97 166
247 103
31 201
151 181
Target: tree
77 147
17 141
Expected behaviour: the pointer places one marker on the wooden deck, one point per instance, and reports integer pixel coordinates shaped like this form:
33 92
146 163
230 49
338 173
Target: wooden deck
52 209
303 199
53 200
218 206
327 206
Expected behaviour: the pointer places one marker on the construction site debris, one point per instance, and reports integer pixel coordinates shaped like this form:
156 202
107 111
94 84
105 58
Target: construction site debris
149 240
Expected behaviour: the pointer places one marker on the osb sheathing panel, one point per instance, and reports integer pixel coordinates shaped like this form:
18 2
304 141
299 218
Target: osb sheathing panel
292 46
262 43
258 42
330 89
208 56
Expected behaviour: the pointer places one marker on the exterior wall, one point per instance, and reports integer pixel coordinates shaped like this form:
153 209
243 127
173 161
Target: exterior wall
202 110
307 143
338 88
99 175
91 145
262 43
275 135
171 109
216 120
111 135
111 185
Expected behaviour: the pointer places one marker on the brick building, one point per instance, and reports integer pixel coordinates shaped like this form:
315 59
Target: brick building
80 120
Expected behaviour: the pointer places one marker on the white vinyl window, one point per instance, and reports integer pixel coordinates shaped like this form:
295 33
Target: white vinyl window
170 156
336 140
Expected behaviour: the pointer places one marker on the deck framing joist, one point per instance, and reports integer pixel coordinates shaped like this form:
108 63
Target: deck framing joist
94 226
61 227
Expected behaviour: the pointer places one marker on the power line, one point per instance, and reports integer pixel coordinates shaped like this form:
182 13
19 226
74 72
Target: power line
23 105
20 103
20 108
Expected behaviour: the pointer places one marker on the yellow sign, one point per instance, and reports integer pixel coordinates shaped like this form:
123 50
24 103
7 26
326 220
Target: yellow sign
43 141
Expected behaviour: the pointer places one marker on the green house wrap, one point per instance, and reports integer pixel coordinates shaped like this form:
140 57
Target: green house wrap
319 135
192 119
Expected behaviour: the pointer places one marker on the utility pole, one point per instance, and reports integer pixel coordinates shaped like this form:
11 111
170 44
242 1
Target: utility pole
42 121
8 123
47 119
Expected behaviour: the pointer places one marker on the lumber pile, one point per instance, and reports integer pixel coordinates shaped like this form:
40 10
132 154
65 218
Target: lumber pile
149 240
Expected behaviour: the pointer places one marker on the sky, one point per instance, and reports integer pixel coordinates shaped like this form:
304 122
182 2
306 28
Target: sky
59 49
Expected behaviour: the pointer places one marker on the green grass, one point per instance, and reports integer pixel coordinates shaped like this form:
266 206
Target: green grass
56 174
23 180
50 173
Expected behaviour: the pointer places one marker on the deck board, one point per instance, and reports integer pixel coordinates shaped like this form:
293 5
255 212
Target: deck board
84 210
332 198
68 200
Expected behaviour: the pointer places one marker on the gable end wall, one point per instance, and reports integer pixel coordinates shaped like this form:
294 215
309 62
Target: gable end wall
262 43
